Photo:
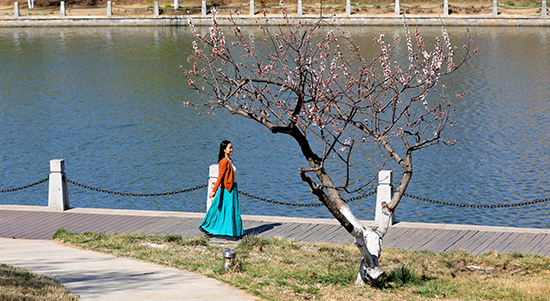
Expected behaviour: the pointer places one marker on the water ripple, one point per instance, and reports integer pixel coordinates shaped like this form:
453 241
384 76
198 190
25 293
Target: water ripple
109 101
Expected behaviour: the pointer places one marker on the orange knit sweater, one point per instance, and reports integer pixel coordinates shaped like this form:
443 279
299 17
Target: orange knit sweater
226 175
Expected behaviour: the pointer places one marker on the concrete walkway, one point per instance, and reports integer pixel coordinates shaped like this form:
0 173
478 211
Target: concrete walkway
97 276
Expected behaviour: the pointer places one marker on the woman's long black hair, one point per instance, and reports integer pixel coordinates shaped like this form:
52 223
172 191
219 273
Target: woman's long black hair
223 146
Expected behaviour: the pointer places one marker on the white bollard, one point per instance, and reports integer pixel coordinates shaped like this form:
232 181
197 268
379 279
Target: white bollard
348 7
543 10
397 10
156 9
300 9
213 177
203 8
62 9
109 8
176 4
58 196
384 193
446 8
16 9
495 10
252 7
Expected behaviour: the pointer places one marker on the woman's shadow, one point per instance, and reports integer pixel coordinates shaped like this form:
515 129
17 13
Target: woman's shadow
261 229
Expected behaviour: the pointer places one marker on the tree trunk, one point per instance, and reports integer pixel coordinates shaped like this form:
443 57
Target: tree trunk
368 241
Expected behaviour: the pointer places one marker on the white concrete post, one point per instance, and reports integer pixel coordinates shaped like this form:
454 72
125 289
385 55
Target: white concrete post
156 9
348 7
109 8
397 10
31 4
384 193
203 8
58 196
62 9
176 4
300 11
446 8
213 177
495 10
543 10
16 9
252 7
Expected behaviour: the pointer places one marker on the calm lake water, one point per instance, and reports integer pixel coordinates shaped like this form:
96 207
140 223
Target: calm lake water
109 102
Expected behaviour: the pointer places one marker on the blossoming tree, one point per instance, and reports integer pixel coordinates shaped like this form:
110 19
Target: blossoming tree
333 101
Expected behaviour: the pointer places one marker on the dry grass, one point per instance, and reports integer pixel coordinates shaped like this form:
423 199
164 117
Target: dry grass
19 284
280 269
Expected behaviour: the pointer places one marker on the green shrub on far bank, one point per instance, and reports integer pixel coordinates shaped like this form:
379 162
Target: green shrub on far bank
281 269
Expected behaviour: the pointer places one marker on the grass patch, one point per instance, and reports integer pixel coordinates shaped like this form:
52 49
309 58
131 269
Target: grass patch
19 284
281 269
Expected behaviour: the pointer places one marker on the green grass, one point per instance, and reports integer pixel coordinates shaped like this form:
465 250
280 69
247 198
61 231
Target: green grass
19 284
281 269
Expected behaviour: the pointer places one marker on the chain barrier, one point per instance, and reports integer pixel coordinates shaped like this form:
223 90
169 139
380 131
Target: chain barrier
24 187
537 201
134 194
365 195
303 205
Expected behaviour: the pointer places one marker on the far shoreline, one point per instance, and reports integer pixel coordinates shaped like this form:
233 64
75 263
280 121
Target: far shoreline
96 20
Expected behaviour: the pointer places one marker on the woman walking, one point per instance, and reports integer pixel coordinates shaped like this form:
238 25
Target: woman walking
224 215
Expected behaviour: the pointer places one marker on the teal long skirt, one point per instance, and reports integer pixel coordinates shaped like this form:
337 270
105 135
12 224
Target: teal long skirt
224 215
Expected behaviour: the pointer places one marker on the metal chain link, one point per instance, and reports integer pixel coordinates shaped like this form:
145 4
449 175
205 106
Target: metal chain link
302 205
477 206
135 194
24 187
537 201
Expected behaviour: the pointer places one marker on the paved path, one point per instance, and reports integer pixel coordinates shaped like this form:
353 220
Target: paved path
97 276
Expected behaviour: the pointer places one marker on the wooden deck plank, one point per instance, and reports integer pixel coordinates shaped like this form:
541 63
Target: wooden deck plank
278 230
395 239
447 241
339 236
511 238
545 251
86 223
297 231
309 232
482 247
477 239
393 234
40 224
538 247
442 234
319 236
520 245
423 238
463 242
539 238
33 225
272 228
160 226
492 245
411 238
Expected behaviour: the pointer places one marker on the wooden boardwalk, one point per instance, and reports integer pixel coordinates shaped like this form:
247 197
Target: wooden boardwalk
31 222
